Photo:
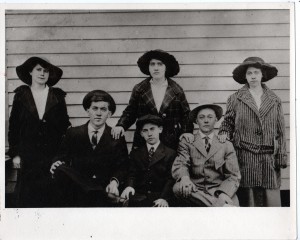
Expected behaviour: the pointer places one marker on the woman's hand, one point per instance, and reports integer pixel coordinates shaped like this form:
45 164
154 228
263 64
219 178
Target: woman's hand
16 162
188 137
117 132
222 137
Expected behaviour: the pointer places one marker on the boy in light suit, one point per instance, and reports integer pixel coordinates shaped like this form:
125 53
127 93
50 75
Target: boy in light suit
206 171
149 178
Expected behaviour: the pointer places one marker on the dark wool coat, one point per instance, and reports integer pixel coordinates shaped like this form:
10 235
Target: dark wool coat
258 136
36 140
152 177
174 112
107 160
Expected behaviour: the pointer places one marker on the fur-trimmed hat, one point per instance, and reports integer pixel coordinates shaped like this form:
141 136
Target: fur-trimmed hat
172 66
239 73
217 109
23 71
97 96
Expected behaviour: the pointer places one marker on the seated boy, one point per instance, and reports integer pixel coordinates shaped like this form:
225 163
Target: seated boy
206 171
90 164
149 178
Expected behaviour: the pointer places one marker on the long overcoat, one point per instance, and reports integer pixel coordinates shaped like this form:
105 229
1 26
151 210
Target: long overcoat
258 136
36 140
174 112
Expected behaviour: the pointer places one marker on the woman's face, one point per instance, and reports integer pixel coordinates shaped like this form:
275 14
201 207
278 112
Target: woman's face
254 76
39 75
157 69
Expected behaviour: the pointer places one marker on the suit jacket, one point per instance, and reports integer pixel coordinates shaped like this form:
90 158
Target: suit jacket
216 170
106 161
174 112
155 176
37 140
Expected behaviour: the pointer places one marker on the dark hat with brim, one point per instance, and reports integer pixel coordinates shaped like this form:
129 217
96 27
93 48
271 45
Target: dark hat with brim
217 109
23 71
172 66
149 118
239 73
99 96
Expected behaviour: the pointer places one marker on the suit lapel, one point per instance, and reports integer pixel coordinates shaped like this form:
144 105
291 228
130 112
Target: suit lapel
168 98
215 146
142 155
198 143
85 136
158 155
104 140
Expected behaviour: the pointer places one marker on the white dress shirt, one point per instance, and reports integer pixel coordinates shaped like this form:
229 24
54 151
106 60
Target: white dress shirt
91 131
158 92
155 146
210 136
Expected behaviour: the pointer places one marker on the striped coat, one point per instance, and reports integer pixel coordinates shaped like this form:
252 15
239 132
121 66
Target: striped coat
174 112
258 136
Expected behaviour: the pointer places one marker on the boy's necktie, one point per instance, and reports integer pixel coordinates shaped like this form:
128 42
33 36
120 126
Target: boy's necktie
151 153
94 139
207 144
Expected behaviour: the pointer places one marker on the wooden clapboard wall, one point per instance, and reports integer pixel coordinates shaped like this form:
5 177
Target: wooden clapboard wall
99 50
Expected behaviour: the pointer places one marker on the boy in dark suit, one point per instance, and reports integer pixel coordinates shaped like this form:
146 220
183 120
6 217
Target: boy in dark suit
90 164
149 177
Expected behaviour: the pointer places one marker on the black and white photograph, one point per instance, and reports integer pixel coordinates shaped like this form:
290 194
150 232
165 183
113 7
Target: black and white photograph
167 113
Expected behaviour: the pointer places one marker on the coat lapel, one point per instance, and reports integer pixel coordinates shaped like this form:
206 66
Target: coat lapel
215 146
158 155
51 100
85 136
104 140
29 103
246 97
142 155
198 143
267 101
147 96
168 98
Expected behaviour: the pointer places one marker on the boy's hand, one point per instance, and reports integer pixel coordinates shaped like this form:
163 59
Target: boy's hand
127 191
112 188
161 203
55 165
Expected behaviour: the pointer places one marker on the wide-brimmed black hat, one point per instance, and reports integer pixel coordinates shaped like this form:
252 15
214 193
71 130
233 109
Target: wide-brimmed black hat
97 96
239 73
23 71
149 118
218 110
172 66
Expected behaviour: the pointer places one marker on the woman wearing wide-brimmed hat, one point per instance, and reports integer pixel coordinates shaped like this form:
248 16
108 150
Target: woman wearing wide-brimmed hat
158 95
254 121
37 122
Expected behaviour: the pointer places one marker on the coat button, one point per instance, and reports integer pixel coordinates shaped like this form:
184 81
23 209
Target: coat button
150 183
44 120
164 115
149 192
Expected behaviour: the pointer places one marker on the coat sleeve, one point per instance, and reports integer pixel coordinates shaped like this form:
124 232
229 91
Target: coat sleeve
280 140
182 162
14 127
132 170
167 191
121 161
232 175
186 122
228 124
129 115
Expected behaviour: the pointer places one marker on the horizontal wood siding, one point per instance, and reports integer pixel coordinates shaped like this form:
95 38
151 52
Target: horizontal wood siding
99 50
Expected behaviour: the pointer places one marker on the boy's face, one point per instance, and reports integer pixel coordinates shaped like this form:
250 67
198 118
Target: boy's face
98 113
150 132
206 120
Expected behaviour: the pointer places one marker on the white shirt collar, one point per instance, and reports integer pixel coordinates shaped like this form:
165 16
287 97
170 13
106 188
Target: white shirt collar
91 131
155 146
210 136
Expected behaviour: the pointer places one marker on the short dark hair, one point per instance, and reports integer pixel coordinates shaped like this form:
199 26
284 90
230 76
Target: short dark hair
99 96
